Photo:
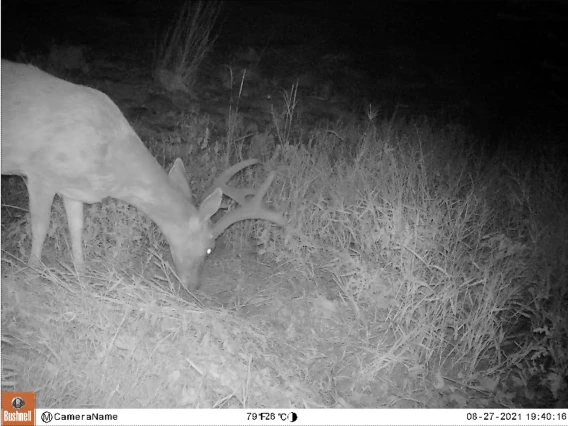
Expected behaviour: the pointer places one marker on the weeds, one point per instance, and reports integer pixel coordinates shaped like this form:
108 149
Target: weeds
185 44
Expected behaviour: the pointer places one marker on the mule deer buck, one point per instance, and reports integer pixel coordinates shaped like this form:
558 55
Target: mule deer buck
74 141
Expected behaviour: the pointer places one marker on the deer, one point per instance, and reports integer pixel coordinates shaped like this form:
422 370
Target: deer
74 141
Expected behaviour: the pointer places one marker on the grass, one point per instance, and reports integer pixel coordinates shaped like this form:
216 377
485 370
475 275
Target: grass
417 270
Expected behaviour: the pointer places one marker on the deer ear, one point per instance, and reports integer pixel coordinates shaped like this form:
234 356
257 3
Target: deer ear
210 205
178 178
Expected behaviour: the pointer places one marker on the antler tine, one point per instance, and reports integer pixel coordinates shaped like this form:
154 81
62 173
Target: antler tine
239 195
253 209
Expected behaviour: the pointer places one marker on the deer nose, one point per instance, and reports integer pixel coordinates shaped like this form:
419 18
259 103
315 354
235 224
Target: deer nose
191 278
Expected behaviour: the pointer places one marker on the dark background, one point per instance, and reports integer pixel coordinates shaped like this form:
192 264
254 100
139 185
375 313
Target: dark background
507 60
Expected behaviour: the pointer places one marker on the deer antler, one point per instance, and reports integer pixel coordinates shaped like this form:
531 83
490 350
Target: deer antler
250 208
237 194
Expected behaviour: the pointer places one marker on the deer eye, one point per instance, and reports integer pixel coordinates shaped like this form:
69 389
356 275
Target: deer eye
208 251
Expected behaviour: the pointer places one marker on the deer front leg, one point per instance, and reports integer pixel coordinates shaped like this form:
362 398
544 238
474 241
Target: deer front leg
74 210
41 198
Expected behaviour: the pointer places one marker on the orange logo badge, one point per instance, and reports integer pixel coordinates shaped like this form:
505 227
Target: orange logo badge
18 408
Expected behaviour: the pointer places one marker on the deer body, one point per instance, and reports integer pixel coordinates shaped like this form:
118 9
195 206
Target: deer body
74 141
